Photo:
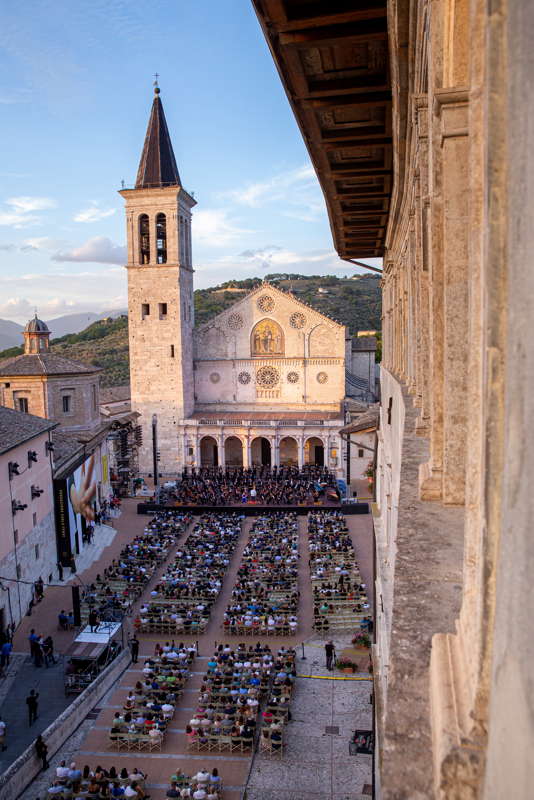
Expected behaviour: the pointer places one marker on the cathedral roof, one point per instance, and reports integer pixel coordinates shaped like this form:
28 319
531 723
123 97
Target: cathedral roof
157 167
43 364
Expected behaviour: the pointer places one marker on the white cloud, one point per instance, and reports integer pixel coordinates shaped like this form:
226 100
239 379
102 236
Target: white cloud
272 257
295 192
19 211
98 250
26 204
94 214
42 243
214 227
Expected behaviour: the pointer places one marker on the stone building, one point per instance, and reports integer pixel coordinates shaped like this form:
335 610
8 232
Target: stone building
44 384
27 528
261 383
418 119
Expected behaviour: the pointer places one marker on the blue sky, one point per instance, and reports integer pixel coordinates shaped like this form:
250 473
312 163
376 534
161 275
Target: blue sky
75 93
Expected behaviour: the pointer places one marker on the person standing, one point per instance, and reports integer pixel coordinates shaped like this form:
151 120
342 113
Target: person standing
3 734
134 647
32 701
5 654
42 751
330 651
93 620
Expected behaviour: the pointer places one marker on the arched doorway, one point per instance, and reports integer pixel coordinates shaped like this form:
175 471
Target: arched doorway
314 452
289 454
233 452
260 452
209 452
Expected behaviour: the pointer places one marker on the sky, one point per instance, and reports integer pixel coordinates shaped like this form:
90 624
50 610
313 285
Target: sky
76 87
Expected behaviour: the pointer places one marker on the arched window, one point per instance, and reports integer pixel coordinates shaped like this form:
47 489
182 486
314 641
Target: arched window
144 239
161 238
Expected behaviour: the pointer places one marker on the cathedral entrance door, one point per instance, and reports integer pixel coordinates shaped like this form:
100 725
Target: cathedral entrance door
209 452
260 451
314 452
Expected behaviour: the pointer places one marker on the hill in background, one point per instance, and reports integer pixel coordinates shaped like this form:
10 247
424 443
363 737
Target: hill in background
355 302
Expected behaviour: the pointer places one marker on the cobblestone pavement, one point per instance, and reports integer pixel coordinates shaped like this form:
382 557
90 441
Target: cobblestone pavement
316 764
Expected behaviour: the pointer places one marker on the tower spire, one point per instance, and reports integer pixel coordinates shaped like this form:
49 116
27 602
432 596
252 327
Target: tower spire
157 167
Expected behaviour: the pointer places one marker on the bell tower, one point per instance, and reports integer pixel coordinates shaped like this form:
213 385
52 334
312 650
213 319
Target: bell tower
160 297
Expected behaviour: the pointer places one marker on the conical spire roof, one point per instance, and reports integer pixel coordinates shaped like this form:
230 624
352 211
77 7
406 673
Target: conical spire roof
157 167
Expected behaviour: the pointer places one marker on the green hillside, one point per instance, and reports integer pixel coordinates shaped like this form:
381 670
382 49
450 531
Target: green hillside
353 302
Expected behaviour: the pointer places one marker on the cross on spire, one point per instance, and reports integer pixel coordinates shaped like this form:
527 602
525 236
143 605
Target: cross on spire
156 76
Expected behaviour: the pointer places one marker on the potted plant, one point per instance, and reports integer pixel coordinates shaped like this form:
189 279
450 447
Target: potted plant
362 640
346 665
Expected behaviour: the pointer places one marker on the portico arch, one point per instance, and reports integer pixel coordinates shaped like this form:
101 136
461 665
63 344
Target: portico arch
260 451
209 452
289 454
233 452
314 451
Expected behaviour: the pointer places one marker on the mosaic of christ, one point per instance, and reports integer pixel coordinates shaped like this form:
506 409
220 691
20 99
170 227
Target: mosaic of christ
267 339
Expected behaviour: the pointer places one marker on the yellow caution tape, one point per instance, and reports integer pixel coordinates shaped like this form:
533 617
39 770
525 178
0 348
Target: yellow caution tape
334 678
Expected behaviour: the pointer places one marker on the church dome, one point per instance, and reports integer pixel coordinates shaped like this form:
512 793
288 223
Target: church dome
36 325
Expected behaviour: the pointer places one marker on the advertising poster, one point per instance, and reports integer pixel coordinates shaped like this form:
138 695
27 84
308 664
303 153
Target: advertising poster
81 490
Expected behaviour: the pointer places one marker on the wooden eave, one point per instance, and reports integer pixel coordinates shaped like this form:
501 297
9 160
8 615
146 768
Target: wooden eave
334 67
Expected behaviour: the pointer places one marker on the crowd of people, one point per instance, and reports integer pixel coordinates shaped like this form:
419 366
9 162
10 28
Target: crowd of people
339 596
203 785
237 684
150 705
181 601
276 486
112 594
97 784
265 596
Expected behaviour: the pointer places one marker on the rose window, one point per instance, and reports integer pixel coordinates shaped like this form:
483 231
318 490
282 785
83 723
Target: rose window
297 320
265 303
322 377
235 321
292 377
244 378
267 377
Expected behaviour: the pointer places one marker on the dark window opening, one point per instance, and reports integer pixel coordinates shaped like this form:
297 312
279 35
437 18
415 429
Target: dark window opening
390 409
161 239
23 404
163 310
144 239
172 351
360 453
66 403
145 310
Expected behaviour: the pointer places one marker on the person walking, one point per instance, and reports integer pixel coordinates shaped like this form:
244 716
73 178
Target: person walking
5 654
42 751
32 701
134 647
93 620
330 651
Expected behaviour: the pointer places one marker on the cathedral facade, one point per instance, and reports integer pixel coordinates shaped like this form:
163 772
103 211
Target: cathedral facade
261 383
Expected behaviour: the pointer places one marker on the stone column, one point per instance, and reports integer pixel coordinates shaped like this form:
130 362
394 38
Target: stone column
452 106
301 452
220 440
197 449
246 452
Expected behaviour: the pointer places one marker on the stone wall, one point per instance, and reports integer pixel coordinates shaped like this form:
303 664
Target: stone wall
457 302
27 766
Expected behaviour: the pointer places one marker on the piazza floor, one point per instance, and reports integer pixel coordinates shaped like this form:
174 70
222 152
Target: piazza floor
315 765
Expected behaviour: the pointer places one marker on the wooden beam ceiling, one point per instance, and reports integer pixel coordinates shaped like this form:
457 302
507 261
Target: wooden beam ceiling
332 57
